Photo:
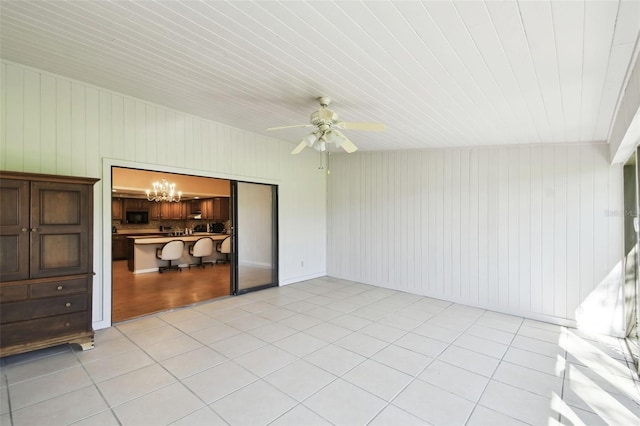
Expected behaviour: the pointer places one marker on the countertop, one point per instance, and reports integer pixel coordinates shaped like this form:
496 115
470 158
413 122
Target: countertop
143 232
141 239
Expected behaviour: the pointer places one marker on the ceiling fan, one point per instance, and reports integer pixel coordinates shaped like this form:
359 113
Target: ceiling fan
327 130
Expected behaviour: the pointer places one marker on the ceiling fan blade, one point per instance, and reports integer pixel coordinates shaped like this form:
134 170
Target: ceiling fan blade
289 127
372 127
302 145
348 146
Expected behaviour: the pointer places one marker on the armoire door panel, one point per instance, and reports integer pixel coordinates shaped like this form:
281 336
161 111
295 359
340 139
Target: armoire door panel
59 235
60 207
60 251
14 228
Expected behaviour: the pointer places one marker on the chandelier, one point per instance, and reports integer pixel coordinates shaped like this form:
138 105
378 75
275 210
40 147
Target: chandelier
164 192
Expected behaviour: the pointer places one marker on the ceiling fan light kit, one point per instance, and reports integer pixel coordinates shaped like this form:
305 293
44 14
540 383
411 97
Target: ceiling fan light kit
327 124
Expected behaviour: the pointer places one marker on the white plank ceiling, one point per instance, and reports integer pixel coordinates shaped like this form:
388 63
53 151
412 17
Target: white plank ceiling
437 73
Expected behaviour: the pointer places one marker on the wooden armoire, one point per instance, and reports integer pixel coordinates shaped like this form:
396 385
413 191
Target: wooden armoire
46 261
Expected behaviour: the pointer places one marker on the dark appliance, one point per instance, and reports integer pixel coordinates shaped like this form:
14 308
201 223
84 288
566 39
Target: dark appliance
200 228
216 228
137 217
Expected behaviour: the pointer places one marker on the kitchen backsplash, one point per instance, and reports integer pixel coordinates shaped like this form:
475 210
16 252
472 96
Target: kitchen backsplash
154 225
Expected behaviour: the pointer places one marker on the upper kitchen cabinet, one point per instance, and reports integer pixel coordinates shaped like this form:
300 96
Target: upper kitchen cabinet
136 204
215 208
175 211
117 209
165 210
195 207
155 211
221 208
206 208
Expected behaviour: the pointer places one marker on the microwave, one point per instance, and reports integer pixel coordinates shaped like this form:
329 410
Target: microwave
137 217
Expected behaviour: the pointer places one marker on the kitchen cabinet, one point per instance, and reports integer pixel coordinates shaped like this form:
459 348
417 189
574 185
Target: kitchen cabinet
167 211
215 208
178 210
221 209
117 210
224 209
46 261
195 207
136 205
206 207
118 247
172 211
155 211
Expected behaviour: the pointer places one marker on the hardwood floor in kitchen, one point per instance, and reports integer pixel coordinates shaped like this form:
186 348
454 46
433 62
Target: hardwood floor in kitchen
135 295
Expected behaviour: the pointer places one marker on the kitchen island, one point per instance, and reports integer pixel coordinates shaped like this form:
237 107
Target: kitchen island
141 251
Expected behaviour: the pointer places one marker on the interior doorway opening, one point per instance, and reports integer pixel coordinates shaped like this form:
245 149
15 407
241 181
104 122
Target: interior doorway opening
203 210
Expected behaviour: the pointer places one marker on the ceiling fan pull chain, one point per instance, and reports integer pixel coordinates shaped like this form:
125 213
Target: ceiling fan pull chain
321 166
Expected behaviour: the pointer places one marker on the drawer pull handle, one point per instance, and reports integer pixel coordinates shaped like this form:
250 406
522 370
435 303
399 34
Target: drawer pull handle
59 287
24 229
67 324
67 304
34 229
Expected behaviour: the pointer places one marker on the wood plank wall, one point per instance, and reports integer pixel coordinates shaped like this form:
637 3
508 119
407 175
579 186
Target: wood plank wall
51 124
528 230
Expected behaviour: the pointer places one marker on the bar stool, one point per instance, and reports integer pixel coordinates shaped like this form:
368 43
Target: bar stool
170 251
203 247
225 248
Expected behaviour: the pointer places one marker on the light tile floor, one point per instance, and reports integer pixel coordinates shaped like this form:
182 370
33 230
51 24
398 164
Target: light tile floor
321 352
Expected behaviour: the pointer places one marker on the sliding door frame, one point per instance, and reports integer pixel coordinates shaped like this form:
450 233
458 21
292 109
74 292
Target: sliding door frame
235 276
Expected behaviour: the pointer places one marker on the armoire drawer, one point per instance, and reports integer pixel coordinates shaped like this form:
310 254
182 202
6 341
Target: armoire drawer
14 293
39 308
43 328
59 288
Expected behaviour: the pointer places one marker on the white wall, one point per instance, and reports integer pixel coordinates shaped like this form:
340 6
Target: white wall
529 230
624 134
51 124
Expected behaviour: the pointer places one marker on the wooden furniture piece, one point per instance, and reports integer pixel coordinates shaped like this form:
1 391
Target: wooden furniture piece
136 205
164 210
221 208
214 208
118 247
117 209
46 261
206 208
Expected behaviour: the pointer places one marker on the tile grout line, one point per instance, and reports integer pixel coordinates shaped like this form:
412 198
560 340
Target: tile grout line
5 379
366 358
95 385
416 376
301 403
484 389
178 380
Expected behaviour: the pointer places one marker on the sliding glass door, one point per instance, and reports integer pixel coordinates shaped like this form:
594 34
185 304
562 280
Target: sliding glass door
255 236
